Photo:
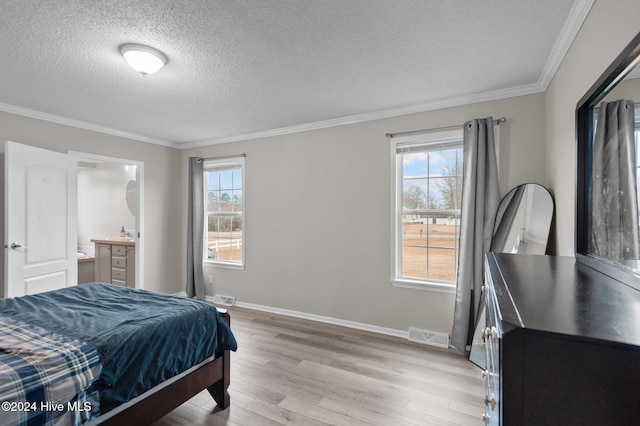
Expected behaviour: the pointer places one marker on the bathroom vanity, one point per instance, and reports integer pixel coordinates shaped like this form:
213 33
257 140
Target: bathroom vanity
116 261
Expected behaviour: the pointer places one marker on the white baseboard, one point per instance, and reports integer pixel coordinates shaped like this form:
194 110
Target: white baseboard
327 320
312 317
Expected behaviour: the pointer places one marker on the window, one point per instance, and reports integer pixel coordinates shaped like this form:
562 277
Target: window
224 216
427 198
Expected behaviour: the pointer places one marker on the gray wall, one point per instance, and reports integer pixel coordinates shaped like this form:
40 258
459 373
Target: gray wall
318 215
162 188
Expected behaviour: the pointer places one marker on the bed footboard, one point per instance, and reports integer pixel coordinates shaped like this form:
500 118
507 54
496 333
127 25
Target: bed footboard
213 376
220 390
166 400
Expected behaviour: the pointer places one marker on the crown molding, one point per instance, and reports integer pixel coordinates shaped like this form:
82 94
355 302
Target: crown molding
377 115
51 118
577 15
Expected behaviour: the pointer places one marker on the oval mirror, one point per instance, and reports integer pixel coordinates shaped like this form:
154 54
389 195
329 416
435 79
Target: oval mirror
523 222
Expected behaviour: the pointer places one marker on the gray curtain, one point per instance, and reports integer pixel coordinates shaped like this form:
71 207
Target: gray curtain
505 222
480 199
614 197
195 230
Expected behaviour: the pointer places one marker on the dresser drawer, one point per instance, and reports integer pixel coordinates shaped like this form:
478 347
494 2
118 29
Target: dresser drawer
119 262
118 250
119 275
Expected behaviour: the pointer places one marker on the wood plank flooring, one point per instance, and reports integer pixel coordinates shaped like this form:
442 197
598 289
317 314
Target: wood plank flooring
298 372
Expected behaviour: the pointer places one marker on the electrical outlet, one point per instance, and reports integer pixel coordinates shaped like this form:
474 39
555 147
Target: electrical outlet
210 281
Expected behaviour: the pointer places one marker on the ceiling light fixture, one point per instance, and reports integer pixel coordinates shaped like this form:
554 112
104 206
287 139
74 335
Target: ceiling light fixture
144 59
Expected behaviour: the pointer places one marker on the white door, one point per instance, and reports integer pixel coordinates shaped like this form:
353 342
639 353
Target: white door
40 220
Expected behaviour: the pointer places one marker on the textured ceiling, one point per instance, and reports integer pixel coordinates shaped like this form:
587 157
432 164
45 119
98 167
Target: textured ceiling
239 67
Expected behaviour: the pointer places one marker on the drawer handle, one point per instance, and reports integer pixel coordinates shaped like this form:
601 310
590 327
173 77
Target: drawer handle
486 417
493 332
491 401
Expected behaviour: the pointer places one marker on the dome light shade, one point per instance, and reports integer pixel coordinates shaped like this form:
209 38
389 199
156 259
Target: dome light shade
144 59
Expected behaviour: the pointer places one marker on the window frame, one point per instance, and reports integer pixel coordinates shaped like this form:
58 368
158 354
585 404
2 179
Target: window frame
445 139
213 165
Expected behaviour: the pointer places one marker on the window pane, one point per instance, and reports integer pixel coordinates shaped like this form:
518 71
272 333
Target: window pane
414 230
220 235
225 226
441 264
213 181
444 232
226 179
442 163
212 225
213 201
235 250
446 191
414 194
225 201
414 263
236 200
414 164
236 227
237 179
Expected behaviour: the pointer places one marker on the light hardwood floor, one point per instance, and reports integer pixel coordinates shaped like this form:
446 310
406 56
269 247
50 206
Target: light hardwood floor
298 372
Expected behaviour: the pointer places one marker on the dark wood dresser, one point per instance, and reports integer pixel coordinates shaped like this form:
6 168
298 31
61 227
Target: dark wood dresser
562 342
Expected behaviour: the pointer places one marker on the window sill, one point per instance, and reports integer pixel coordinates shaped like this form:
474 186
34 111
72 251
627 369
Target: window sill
224 265
427 286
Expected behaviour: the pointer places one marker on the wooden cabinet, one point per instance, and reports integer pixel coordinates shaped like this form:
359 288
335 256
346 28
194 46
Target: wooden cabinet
562 343
115 262
103 263
86 270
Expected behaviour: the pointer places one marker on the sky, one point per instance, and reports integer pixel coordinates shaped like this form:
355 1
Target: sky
425 168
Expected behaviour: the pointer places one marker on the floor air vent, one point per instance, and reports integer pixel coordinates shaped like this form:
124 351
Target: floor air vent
224 300
427 337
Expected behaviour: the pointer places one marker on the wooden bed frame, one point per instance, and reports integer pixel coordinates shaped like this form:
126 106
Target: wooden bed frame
213 376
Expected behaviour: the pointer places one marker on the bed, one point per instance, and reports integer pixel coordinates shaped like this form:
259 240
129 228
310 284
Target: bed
99 353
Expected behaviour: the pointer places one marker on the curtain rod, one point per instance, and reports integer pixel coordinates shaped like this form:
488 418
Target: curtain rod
222 157
391 135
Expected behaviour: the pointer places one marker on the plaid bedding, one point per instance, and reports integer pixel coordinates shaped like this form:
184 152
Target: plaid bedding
44 376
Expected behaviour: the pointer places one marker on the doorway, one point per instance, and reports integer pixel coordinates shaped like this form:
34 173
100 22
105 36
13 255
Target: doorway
110 201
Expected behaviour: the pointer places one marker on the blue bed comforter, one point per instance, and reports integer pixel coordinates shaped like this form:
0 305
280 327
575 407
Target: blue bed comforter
142 338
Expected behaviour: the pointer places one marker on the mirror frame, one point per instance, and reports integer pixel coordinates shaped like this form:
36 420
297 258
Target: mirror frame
624 63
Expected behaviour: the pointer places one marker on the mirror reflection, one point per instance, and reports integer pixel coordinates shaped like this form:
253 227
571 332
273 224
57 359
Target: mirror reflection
523 222
614 231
